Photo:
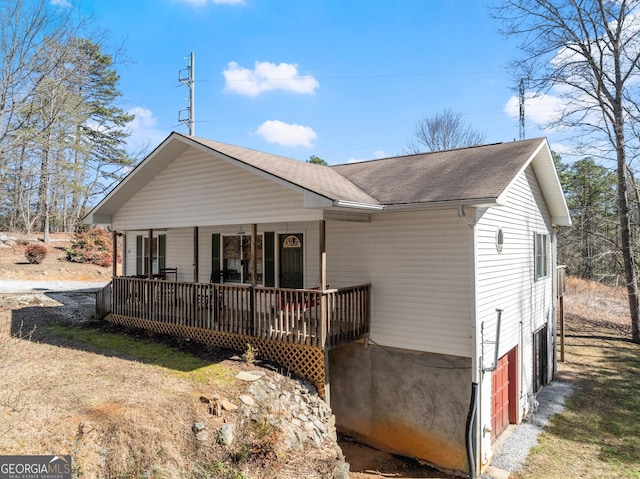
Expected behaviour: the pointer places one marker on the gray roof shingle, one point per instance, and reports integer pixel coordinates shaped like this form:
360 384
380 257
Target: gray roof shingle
465 174
319 179
474 175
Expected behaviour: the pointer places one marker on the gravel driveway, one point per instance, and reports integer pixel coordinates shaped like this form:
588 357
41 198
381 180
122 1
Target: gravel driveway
78 298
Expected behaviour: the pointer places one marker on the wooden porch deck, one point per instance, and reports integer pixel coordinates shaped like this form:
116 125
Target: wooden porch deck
321 319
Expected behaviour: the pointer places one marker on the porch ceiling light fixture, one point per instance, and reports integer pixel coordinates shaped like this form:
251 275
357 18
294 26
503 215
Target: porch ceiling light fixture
241 232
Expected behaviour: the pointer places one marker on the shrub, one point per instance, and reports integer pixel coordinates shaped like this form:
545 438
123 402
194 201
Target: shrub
250 354
35 253
92 246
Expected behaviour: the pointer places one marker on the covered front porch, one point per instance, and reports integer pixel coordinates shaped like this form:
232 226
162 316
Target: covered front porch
265 288
293 328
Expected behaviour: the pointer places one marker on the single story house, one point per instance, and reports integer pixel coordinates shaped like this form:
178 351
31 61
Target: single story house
417 292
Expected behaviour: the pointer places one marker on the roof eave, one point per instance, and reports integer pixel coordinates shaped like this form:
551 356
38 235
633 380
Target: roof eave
358 205
545 169
477 202
561 220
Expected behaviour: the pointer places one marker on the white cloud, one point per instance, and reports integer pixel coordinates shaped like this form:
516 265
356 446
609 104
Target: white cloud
276 131
61 3
541 109
380 154
267 76
144 133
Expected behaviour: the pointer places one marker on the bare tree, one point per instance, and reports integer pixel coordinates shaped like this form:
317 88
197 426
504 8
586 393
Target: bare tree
587 53
62 133
443 131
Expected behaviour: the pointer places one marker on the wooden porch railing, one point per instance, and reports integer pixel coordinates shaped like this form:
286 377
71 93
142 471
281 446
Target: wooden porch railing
300 316
103 301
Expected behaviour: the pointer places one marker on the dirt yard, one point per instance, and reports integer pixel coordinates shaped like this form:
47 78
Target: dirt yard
14 265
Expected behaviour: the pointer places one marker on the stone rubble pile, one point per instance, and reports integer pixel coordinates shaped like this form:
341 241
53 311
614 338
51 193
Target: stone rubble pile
292 406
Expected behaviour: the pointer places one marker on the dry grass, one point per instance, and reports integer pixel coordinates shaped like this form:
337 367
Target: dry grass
119 417
122 405
597 434
597 302
113 416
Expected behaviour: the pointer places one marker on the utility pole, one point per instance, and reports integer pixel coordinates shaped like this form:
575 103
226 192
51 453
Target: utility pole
186 76
521 109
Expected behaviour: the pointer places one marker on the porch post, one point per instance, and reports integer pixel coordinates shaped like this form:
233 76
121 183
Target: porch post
323 308
150 256
114 253
327 382
254 259
124 254
323 256
196 253
254 275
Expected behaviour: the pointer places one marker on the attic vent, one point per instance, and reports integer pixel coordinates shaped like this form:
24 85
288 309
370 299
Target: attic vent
499 240
291 241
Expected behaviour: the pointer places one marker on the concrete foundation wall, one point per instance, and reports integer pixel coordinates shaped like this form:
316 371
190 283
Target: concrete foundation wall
406 402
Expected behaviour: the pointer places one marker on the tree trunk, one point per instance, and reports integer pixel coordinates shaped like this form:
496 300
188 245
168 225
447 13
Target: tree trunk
626 242
43 189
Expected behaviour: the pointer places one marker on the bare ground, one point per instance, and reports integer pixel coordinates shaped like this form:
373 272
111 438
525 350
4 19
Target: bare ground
14 265
116 416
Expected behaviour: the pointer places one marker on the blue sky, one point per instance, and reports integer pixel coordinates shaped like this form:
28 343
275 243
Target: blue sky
343 80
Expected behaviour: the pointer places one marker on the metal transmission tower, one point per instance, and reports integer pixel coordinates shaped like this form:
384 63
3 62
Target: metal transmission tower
521 109
186 76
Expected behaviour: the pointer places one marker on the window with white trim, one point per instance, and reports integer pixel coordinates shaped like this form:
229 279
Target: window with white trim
541 255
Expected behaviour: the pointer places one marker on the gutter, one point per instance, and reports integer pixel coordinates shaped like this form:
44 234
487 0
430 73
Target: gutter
477 202
358 205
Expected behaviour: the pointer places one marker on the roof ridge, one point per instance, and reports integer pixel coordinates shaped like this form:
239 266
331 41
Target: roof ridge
462 148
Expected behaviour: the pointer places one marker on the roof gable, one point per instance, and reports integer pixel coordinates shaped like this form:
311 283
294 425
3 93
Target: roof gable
474 176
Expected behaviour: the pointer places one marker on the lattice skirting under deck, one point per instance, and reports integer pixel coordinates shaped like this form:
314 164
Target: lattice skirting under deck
301 360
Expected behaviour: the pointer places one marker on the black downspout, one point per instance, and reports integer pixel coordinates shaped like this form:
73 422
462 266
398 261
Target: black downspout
469 430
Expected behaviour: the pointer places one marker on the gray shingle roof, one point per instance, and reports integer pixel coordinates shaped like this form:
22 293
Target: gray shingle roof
316 178
475 175
465 174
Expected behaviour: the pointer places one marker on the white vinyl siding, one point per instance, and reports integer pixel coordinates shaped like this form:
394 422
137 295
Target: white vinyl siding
196 190
180 252
419 267
506 281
